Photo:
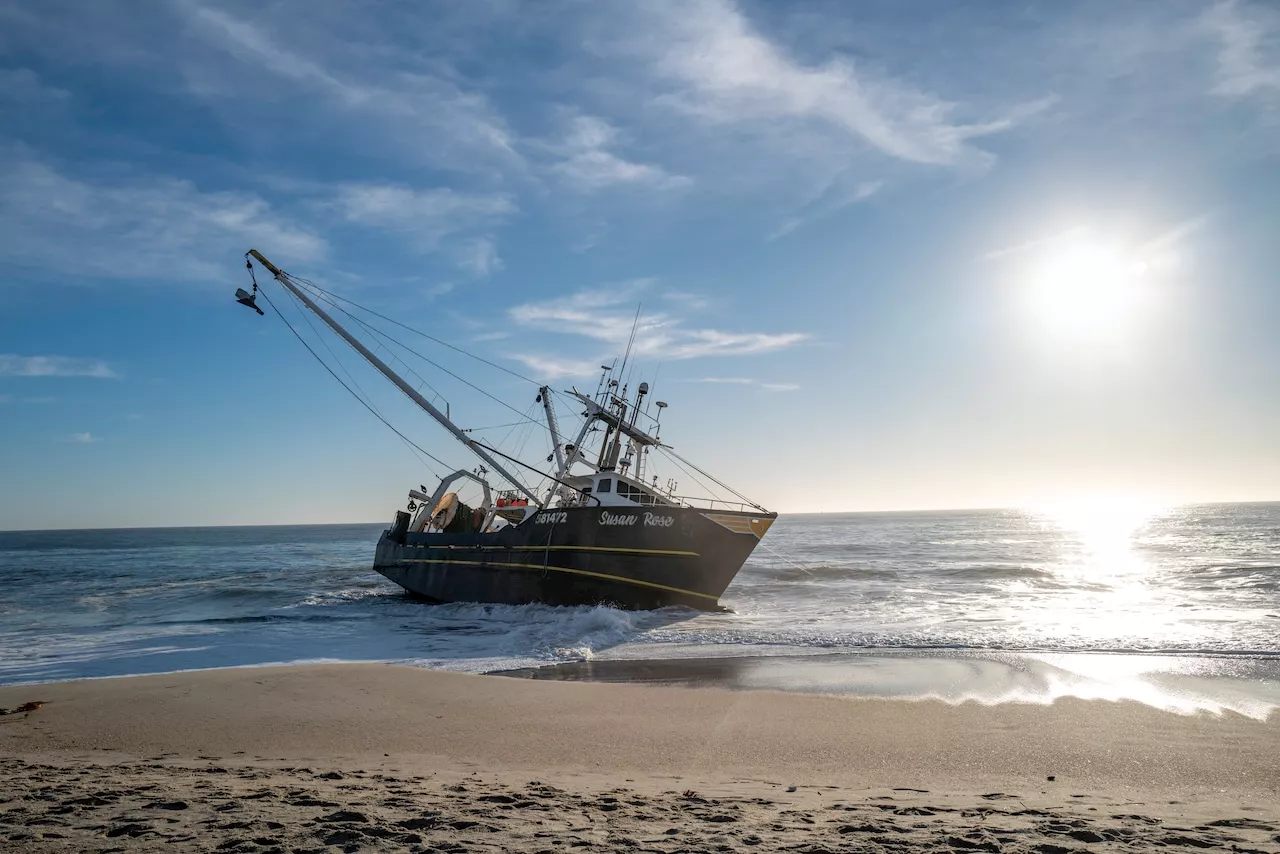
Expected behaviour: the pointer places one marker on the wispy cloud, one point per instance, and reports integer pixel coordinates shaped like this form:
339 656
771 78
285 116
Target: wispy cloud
1145 248
1034 243
24 86
607 315
722 380
249 44
399 93
833 198
1248 36
729 73
591 313
687 300
83 438
720 103
147 227
478 256
588 163
13 365
1175 235
429 214
697 343
555 367
425 218
439 290
749 381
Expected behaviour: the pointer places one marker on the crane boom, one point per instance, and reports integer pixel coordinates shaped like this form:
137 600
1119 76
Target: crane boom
553 425
412 393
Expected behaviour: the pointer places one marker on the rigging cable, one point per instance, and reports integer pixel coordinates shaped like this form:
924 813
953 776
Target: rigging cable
635 324
517 425
454 347
331 297
693 476
666 449
436 395
492 427
538 472
374 331
364 396
526 434
415 331
781 556
434 391
376 414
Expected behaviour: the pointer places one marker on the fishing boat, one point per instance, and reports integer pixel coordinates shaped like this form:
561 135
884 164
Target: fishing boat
600 529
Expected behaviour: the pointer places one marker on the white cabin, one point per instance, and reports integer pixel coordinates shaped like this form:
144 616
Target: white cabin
612 489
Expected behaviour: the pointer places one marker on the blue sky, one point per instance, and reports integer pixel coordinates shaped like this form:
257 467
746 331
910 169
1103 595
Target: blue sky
890 254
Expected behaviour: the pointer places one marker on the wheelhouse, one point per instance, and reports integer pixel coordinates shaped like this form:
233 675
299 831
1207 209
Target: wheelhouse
613 489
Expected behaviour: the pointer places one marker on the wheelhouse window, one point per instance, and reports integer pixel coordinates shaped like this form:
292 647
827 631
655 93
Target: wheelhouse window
606 484
635 493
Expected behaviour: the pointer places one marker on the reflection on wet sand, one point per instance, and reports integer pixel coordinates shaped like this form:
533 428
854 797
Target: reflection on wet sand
1244 685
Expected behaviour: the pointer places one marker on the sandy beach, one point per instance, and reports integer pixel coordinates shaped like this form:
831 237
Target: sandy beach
378 757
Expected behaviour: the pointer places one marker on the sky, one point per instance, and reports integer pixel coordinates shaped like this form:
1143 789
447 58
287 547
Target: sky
887 255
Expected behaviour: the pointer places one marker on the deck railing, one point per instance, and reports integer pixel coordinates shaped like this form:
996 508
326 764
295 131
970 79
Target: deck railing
713 503
692 502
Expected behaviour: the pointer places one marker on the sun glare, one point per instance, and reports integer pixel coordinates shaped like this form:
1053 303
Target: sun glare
1103 527
1088 291
1101 557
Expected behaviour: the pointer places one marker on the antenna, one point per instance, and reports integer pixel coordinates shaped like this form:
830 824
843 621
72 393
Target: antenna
635 324
606 369
657 421
605 383
654 381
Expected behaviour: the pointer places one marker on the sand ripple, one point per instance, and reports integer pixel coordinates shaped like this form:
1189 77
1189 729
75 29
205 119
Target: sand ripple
158 806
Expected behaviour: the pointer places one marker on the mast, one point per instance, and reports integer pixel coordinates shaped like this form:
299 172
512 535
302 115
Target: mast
614 421
395 378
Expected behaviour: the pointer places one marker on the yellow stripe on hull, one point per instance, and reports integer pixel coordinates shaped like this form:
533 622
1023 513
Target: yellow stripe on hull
541 567
667 552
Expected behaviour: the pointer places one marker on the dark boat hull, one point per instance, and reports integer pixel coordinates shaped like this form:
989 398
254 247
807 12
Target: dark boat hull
636 558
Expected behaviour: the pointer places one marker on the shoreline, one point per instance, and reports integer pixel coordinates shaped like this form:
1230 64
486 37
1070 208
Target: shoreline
380 757
1204 682
1184 682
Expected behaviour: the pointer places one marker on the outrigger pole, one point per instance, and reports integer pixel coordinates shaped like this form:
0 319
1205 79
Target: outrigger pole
410 391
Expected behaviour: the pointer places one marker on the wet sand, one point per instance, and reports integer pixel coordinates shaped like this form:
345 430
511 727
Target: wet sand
377 757
1212 682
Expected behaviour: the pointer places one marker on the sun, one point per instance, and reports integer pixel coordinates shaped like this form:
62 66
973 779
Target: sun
1087 290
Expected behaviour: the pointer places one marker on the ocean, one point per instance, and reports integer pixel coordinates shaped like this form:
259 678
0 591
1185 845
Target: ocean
1188 593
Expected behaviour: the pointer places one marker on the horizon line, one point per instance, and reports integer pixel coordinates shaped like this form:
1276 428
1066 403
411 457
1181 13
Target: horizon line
899 511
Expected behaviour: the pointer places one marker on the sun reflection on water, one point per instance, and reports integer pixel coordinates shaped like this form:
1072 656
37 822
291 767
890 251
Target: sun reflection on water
1099 550
1098 535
